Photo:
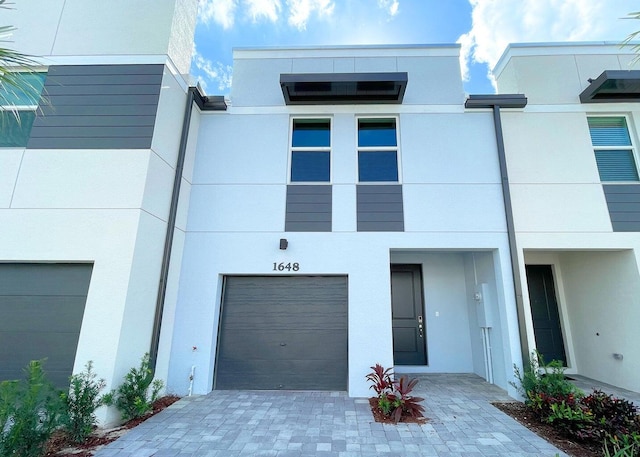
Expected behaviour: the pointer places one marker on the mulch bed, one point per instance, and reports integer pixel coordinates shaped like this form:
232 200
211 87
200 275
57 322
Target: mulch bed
378 415
522 414
60 445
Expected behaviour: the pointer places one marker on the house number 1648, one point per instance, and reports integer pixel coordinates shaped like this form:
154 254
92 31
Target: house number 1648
295 266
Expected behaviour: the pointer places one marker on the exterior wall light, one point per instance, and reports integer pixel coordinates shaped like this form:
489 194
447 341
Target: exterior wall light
284 243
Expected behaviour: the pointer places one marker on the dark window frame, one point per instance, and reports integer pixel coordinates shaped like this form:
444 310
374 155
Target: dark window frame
384 148
314 155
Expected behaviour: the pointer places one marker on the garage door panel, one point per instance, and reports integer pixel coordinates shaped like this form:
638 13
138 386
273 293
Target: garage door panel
283 316
44 279
41 309
283 332
41 313
277 345
286 375
18 348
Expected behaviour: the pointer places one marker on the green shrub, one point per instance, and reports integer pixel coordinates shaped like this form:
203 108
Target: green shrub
81 402
29 412
571 419
132 398
543 385
597 417
623 446
546 378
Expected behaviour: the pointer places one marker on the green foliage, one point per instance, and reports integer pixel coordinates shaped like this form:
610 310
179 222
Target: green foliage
11 81
132 398
597 417
543 384
624 446
394 399
385 404
572 419
29 412
81 402
628 41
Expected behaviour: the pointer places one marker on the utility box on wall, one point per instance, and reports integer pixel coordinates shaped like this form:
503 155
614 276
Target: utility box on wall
482 297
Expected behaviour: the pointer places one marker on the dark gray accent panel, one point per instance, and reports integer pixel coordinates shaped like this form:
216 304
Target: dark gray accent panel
623 201
308 209
98 107
283 332
380 208
42 306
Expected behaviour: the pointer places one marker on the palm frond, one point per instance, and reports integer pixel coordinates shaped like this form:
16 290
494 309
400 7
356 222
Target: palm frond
635 47
13 66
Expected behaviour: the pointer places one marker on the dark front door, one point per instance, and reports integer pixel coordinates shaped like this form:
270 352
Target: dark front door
544 310
409 337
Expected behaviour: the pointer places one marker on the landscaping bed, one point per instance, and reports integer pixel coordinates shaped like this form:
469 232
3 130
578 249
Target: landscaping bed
574 448
61 445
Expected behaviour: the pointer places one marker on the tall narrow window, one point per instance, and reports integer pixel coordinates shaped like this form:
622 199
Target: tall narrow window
377 150
18 103
311 150
613 148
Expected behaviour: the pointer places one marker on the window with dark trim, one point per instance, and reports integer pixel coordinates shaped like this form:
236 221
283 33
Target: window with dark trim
311 150
19 98
377 150
613 148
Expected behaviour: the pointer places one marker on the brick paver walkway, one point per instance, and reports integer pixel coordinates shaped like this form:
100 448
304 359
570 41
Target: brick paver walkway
462 422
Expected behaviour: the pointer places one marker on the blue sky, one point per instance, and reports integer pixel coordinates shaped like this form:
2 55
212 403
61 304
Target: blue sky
482 27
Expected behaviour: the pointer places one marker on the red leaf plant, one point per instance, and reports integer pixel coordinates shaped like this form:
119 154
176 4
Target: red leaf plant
394 399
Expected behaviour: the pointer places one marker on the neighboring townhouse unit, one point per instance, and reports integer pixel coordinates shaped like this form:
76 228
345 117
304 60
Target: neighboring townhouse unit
86 182
573 171
346 209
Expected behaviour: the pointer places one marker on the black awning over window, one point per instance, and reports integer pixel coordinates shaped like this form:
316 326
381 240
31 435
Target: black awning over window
613 86
343 88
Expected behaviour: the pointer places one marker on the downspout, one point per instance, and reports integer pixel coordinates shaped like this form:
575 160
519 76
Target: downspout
495 102
511 233
171 222
212 103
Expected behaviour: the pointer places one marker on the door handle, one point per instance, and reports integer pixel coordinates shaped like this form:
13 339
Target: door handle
420 327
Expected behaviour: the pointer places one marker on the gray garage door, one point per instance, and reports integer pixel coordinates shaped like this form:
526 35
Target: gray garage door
285 332
41 309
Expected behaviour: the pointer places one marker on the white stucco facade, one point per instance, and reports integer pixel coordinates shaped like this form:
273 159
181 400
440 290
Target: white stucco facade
453 213
561 214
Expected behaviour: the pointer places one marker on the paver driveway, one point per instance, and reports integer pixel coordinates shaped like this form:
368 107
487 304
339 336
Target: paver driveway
462 422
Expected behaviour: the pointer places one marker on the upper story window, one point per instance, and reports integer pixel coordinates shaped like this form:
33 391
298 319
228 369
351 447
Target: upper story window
377 150
19 97
311 150
615 155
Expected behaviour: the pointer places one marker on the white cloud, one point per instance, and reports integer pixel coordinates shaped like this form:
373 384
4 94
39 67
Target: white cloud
496 23
212 72
301 10
392 6
269 9
224 12
219 11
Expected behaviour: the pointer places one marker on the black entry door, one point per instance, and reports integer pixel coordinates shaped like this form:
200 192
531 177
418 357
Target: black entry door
409 337
544 310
